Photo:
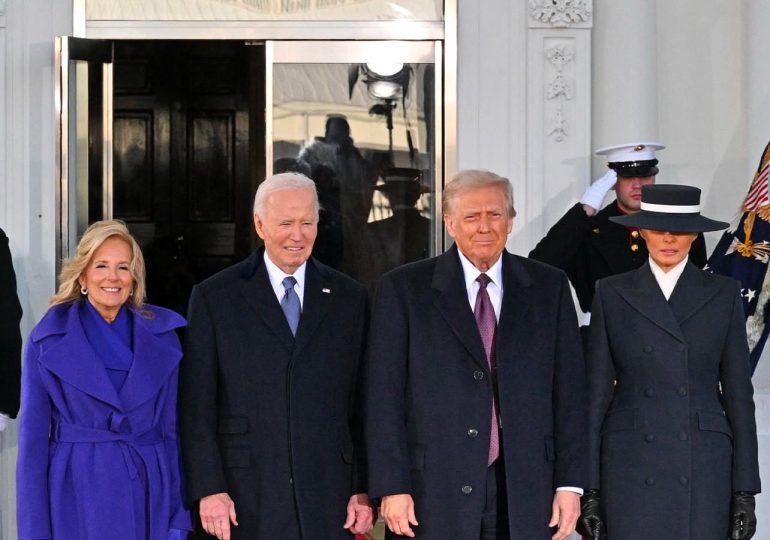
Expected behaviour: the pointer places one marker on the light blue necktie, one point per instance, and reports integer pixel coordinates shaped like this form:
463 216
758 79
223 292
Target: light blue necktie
290 303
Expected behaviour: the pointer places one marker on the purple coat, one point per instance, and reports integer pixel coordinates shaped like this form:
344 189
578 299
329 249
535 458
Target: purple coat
92 459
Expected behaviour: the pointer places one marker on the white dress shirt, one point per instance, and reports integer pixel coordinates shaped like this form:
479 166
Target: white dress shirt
277 276
495 287
495 290
667 280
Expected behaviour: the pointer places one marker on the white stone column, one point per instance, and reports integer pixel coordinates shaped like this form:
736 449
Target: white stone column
625 93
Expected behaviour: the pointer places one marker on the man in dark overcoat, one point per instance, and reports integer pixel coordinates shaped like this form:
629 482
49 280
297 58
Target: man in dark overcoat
10 336
672 435
271 435
475 394
586 243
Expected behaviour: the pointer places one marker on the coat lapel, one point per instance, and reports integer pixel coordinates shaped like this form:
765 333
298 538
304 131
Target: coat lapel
260 296
74 361
644 295
513 325
154 360
691 293
451 300
315 304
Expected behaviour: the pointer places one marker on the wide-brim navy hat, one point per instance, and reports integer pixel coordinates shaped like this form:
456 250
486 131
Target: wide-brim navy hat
670 208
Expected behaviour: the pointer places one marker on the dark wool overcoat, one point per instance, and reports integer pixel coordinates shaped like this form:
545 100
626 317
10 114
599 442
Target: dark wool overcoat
671 415
10 336
269 418
429 396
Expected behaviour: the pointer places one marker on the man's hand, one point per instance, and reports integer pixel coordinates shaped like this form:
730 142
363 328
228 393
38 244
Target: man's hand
217 512
398 513
360 514
594 194
566 509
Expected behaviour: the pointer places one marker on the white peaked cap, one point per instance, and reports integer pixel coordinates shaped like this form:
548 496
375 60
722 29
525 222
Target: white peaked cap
619 153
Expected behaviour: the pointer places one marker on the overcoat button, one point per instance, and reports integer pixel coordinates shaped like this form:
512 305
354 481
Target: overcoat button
649 392
634 248
634 234
473 433
682 391
683 480
649 437
650 481
478 375
682 436
467 490
647 348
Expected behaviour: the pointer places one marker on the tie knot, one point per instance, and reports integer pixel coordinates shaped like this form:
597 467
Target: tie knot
484 280
289 282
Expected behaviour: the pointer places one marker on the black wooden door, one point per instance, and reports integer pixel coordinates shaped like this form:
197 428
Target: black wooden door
188 153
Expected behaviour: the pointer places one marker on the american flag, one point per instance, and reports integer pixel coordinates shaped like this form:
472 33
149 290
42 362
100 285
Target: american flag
757 196
743 253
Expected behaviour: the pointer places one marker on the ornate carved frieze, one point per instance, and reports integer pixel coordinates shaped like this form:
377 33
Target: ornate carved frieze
558 89
561 13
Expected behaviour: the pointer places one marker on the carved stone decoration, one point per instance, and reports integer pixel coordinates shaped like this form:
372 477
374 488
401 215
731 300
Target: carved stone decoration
559 89
561 13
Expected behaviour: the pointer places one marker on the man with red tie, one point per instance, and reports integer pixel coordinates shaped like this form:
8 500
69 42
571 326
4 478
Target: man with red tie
475 423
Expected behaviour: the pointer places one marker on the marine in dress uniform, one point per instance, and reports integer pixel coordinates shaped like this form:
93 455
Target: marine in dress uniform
672 435
586 244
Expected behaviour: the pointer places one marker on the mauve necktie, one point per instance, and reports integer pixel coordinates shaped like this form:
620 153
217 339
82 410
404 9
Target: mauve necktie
487 323
290 303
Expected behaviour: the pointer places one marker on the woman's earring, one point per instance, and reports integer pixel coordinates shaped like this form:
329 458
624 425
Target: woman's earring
83 291
131 293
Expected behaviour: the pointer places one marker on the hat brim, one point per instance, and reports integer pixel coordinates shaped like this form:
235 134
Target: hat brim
636 172
662 221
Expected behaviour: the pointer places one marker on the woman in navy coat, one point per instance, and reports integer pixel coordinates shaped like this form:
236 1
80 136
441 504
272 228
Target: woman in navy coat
98 453
672 435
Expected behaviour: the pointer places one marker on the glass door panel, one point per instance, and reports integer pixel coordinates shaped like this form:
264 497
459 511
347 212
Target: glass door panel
363 120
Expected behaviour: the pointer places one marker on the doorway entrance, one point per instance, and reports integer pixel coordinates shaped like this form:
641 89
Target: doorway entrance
174 136
188 140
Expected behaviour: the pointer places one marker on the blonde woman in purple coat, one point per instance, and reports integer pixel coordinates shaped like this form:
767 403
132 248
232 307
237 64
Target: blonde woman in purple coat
98 451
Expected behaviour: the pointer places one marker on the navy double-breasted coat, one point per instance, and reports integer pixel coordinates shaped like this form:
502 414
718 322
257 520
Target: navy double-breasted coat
429 396
268 417
671 416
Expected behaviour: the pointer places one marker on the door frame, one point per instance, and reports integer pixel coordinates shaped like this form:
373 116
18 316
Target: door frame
69 91
444 33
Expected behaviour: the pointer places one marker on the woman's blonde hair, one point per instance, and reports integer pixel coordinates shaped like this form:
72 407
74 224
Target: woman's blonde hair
95 235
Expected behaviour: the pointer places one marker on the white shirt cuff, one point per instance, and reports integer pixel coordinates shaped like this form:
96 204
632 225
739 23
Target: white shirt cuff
577 490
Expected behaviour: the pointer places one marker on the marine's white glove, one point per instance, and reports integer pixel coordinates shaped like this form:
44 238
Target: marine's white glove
5 421
595 193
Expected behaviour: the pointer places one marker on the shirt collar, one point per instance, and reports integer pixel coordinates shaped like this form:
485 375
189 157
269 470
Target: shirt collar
470 272
672 276
277 275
